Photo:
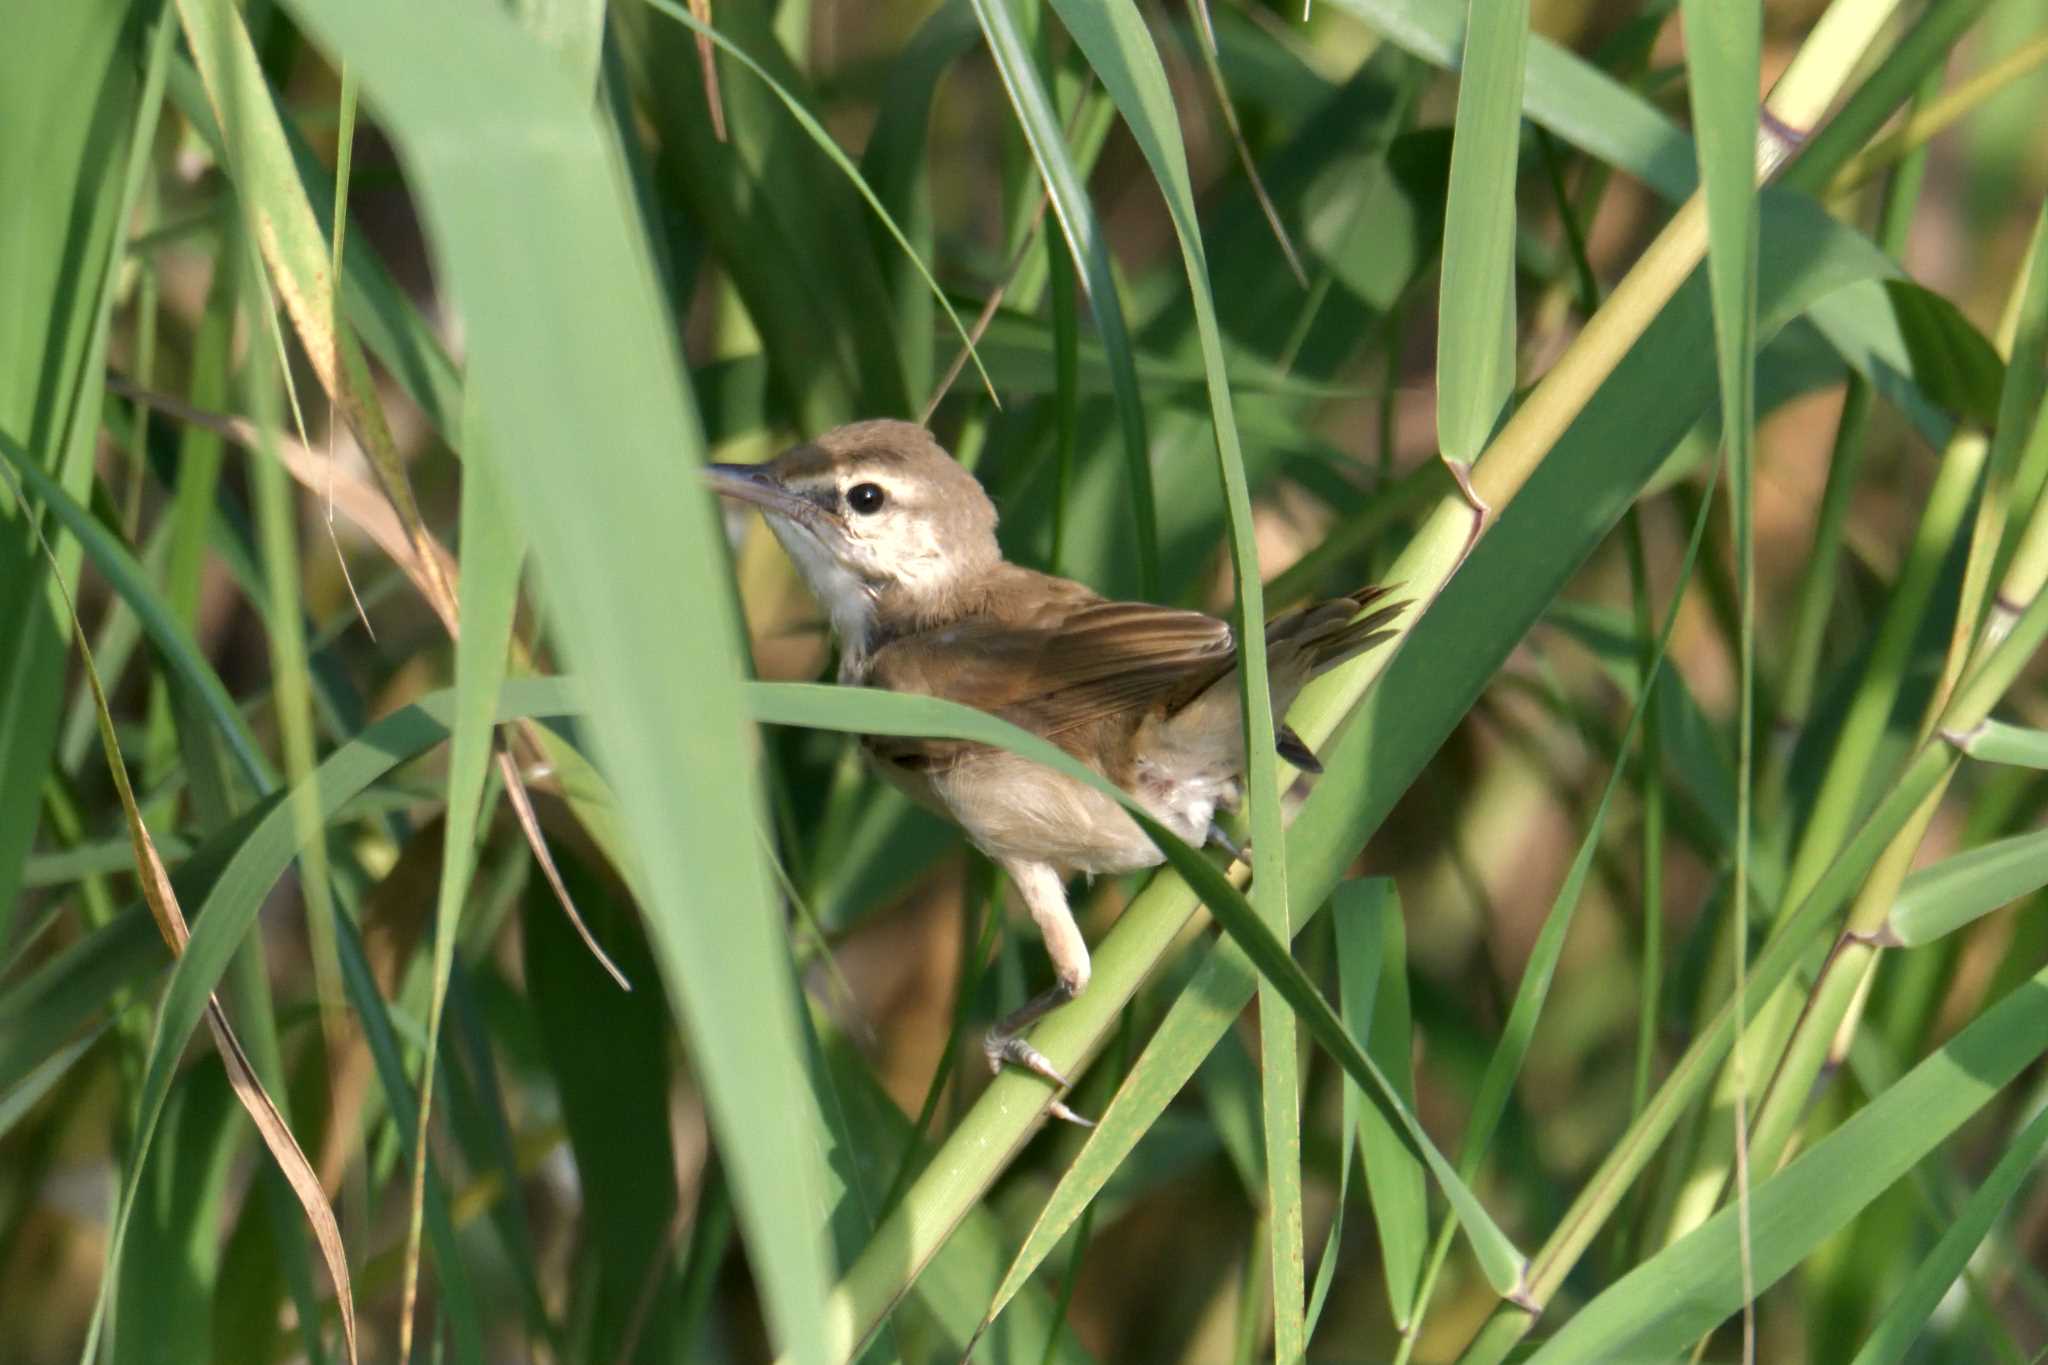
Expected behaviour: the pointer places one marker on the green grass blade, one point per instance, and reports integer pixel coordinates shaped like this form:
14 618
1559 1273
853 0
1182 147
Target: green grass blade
1076 217
895 162
131 581
1475 344
1686 1290
492 549
1361 971
493 132
1723 54
605 1051
1914 1306
1369 912
824 142
1191 1029
172 1259
18 1099
1114 39
1598 114
1994 741
69 95
291 690
1963 888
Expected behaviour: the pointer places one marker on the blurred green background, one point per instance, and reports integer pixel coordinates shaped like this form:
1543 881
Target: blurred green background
571 268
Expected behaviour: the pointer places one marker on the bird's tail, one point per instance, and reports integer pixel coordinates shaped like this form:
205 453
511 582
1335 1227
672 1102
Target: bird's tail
1299 644
1315 638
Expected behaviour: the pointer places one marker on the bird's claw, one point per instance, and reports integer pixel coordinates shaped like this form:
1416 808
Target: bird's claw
1219 837
1009 1048
1060 1111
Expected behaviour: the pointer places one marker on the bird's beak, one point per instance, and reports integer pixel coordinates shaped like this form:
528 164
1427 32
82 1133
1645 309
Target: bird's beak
752 483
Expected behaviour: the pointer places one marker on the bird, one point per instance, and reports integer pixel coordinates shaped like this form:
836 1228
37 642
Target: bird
897 542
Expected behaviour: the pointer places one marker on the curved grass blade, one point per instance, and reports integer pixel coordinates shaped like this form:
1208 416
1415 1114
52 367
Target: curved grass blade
1204 43
823 139
859 710
896 162
1686 1290
1076 216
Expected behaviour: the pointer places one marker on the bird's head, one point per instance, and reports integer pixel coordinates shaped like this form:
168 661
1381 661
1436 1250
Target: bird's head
872 513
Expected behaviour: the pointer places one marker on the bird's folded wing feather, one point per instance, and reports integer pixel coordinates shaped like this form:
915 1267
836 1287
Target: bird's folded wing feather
1055 677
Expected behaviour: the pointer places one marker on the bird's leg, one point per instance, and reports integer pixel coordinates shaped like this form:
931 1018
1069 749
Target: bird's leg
1221 838
1045 895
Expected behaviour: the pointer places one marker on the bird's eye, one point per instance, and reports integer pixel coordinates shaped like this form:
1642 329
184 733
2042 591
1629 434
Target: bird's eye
865 498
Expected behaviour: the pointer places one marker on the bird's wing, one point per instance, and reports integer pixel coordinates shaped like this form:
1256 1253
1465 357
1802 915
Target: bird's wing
1056 675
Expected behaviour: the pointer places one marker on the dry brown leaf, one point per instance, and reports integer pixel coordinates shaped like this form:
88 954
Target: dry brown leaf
294 250
707 57
522 806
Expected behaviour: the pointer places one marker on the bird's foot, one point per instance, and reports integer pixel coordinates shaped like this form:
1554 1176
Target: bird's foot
1242 852
1000 1048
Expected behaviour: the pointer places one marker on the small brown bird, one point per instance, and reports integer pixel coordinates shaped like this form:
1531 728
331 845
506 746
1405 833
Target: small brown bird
898 544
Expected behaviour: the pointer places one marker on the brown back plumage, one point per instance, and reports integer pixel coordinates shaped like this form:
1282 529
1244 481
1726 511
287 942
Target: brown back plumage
1088 674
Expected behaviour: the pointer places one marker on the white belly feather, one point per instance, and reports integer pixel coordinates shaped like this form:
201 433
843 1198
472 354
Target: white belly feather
1013 808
